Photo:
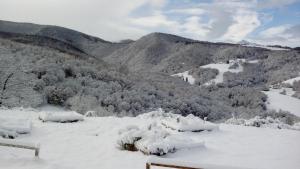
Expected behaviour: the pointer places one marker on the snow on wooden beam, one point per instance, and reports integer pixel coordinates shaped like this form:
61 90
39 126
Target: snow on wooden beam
19 144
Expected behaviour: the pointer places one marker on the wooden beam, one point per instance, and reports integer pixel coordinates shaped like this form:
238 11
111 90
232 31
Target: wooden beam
147 166
169 166
17 145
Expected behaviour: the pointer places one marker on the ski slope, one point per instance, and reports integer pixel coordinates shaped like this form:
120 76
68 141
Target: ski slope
91 144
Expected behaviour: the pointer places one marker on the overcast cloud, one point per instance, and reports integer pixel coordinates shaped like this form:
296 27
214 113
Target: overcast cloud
262 21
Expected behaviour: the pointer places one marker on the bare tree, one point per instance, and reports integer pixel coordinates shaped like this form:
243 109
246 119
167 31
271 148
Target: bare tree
4 86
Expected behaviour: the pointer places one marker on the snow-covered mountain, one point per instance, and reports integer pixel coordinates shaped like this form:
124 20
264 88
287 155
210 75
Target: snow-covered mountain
87 44
250 44
54 65
244 42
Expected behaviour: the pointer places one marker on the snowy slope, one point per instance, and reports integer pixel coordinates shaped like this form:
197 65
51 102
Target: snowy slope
278 101
291 81
222 68
250 44
186 76
91 144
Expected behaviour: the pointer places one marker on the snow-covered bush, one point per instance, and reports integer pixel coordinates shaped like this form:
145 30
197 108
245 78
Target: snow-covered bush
203 75
92 114
245 101
234 65
296 126
267 122
252 75
296 85
156 142
57 96
8 134
296 88
149 140
178 122
188 123
163 133
283 92
161 144
128 137
153 139
236 121
296 94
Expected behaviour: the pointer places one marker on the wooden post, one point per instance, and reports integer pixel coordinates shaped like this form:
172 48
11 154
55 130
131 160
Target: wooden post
37 152
147 166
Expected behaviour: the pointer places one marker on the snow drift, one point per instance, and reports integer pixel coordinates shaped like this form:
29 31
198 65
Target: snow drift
62 117
12 127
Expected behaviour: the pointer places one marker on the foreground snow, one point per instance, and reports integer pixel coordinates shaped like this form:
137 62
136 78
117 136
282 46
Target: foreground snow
92 144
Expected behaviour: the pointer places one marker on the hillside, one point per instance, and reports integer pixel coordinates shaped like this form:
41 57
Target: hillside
90 45
159 52
54 65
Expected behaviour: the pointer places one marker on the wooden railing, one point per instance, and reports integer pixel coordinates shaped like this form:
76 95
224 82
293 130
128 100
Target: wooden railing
173 163
149 164
169 163
16 144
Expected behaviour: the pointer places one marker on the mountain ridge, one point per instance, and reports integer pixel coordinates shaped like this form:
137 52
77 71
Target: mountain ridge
89 44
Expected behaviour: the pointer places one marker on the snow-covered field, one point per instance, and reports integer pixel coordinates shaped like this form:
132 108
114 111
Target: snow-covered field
92 144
